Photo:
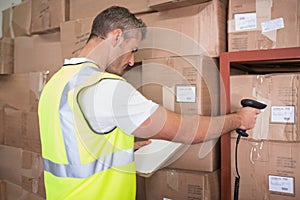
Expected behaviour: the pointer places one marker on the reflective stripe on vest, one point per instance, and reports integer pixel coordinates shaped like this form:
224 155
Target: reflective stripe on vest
74 168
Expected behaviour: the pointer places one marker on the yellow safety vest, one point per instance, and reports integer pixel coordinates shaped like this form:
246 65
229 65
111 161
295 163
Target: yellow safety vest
80 163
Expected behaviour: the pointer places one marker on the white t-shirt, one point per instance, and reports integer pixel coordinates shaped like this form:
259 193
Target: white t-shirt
114 103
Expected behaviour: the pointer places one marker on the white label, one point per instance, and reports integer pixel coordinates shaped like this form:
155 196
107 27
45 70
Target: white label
272 25
186 94
245 21
166 198
283 114
281 184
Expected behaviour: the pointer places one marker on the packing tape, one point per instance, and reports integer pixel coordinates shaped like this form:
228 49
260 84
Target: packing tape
172 180
260 92
11 29
256 151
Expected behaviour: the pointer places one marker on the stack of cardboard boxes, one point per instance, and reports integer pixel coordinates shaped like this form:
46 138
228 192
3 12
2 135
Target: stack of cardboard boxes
268 160
30 53
180 72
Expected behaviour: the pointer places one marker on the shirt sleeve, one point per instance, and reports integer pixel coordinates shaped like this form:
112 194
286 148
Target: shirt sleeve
115 103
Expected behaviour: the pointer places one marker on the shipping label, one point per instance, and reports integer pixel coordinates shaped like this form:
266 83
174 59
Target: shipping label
283 114
281 184
245 21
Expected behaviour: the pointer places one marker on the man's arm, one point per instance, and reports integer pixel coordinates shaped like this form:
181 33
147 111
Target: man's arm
167 125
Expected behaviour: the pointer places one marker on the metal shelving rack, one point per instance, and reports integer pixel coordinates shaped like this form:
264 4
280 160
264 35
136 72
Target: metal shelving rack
257 62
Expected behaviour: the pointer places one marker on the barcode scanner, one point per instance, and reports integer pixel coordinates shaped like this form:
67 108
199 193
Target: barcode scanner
242 133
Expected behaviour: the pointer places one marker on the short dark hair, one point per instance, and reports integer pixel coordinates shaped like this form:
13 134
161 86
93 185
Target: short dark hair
116 17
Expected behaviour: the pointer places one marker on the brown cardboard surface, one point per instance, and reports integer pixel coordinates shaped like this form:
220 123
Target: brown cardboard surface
32 173
279 121
25 86
30 16
30 132
279 34
192 30
22 168
268 170
203 157
1 124
6 55
163 77
13 192
169 4
183 185
21 129
13 119
47 15
90 8
10 165
140 190
74 35
16 20
43 52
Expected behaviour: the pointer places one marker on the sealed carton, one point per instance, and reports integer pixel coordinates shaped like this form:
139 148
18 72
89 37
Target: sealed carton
268 24
43 53
6 55
186 85
25 86
268 170
280 120
30 16
192 30
21 129
183 185
90 8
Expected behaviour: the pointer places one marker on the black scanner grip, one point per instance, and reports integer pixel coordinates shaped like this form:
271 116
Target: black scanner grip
249 103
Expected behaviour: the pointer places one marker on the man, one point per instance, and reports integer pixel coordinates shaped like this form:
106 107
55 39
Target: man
89 116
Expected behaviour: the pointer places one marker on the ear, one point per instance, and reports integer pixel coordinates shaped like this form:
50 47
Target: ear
117 36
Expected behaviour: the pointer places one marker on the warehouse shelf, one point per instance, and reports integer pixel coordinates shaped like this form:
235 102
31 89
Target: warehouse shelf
251 62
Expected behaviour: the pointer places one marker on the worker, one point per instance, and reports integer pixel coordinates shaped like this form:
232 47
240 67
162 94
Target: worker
89 116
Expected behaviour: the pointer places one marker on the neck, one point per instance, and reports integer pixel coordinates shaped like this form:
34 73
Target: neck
95 50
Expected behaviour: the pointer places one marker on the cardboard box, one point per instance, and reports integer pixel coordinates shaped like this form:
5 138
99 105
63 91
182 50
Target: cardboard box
74 35
21 91
21 129
91 8
16 20
43 53
183 185
171 4
47 15
203 157
13 127
33 16
193 30
10 165
140 188
23 170
6 55
32 173
279 121
187 85
12 191
268 170
269 24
